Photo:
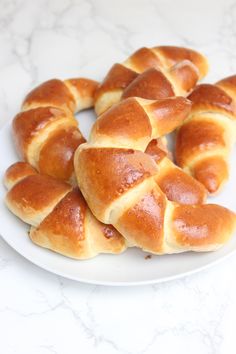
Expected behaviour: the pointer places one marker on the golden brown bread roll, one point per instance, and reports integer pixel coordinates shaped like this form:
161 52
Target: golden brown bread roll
47 136
46 133
177 72
130 123
59 215
174 182
155 84
119 181
205 140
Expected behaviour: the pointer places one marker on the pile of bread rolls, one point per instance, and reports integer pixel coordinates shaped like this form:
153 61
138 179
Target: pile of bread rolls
122 188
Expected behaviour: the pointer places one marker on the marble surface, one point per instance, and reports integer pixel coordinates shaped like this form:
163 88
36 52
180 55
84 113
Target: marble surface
42 313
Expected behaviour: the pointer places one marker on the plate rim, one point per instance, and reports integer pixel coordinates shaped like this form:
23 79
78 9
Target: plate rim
80 279
123 283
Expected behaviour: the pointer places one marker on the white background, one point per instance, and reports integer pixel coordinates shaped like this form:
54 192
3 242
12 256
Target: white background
41 313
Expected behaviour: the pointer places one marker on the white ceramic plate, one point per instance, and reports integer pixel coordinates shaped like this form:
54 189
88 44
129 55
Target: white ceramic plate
129 268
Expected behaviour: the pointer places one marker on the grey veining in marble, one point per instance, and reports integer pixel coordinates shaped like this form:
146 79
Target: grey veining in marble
41 313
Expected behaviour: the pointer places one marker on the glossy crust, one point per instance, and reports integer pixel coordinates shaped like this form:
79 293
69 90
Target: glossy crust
228 85
205 140
65 223
109 173
143 59
137 120
133 122
199 226
34 196
173 55
207 97
35 125
167 114
179 186
211 172
46 135
83 91
157 150
69 230
152 84
145 221
59 214
127 120
52 93
46 132
123 185
169 70
156 84
16 172
129 123
197 136
56 155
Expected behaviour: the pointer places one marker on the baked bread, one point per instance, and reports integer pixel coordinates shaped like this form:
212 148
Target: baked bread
46 132
47 137
178 70
205 140
177 185
118 181
59 215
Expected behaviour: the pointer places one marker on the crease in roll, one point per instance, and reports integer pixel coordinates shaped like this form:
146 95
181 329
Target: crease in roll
45 132
178 69
58 214
205 140
120 182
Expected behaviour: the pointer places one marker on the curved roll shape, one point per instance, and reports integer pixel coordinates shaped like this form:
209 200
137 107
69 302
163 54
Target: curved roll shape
60 218
45 132
178 69
119 181
174 182
205 140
